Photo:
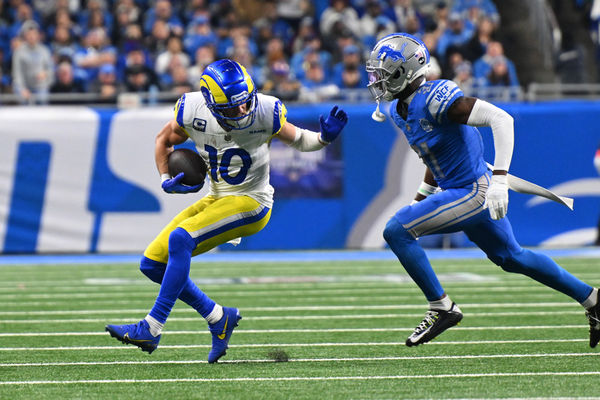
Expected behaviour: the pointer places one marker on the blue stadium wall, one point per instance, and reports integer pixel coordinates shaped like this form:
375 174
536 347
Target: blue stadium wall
75 179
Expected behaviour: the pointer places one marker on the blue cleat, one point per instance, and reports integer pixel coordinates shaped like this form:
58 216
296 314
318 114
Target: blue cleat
137 334
221 332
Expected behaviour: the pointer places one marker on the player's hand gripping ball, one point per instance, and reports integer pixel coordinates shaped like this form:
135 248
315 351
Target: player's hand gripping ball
188 171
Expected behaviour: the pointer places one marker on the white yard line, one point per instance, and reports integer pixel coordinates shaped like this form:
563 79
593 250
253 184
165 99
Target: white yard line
284 345
344 359
334 330
286 317
304 378
305 299
300 308
297 291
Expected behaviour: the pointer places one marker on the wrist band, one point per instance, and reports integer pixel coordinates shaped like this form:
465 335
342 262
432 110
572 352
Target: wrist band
426 189
164 177
322 141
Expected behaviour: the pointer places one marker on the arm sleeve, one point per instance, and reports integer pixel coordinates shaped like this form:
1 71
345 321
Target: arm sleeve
307 140
502 124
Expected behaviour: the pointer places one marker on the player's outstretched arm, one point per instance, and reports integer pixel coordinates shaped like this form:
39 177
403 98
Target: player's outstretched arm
170 135
306 140
477 112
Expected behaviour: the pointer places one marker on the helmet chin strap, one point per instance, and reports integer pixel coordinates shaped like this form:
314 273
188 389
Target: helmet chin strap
378 115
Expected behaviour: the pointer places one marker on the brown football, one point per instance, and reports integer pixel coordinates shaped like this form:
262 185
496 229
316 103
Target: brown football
190 163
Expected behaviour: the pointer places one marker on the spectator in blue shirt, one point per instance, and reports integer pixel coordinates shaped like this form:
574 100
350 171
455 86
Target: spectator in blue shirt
163 11
23 12
106 85
312 45
199 33
95 16
97 51
485 7
499 74
348 73
483 66
457 34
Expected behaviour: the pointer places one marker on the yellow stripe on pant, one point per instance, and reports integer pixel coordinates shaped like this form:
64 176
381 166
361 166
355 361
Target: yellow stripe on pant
211 222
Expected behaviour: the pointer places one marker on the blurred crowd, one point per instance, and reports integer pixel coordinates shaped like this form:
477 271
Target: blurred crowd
295 49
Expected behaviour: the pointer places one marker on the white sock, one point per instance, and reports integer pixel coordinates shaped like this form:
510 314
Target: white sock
444 304
215 315
592 299
155 326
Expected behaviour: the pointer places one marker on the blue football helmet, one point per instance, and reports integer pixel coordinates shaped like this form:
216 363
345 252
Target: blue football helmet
396 61
226 85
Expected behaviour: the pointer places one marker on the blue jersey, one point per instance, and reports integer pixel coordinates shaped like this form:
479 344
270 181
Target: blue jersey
453 152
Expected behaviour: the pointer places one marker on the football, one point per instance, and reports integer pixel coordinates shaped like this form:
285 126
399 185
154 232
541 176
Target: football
190 163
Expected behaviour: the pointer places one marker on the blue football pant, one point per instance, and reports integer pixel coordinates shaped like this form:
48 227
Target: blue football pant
461 209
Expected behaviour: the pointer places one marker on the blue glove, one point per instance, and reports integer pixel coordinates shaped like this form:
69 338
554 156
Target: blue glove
174 185
333 125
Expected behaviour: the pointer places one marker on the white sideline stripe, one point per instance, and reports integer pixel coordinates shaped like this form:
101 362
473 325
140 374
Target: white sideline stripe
344 359
256 345
303 378
290 317
301 308
333 330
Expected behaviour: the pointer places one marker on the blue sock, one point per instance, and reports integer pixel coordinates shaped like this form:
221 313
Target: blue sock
413 259
191 294
176 275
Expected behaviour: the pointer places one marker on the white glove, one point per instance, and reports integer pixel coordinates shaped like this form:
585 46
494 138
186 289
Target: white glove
496 198
597 161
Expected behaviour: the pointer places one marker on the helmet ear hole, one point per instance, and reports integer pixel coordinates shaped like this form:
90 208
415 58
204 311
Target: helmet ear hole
396 74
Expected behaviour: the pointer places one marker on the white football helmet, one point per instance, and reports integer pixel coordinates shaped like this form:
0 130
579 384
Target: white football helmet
396 60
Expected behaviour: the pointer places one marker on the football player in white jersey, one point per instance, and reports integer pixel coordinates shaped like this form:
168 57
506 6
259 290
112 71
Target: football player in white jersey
231 125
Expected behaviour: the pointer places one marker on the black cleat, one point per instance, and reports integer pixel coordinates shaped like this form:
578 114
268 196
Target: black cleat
593 315
434 323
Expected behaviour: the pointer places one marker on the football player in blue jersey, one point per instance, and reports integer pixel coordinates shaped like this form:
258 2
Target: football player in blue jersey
232 126
440 123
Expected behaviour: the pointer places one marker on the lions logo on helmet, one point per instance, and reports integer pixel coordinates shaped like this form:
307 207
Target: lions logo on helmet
397 60
226 86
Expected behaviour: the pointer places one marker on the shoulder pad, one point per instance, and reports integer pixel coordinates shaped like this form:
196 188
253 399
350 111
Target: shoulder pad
178 110
279 116
443 93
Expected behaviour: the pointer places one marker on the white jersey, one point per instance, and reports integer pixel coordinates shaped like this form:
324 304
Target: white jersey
237 160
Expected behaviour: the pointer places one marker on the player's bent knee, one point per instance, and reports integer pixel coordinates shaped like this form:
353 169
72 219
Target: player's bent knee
181 241
153 269
394 232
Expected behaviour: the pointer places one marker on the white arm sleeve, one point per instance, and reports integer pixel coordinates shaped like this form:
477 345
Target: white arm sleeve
307 140
486 114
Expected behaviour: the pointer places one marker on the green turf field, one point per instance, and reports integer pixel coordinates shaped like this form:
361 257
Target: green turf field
342 325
